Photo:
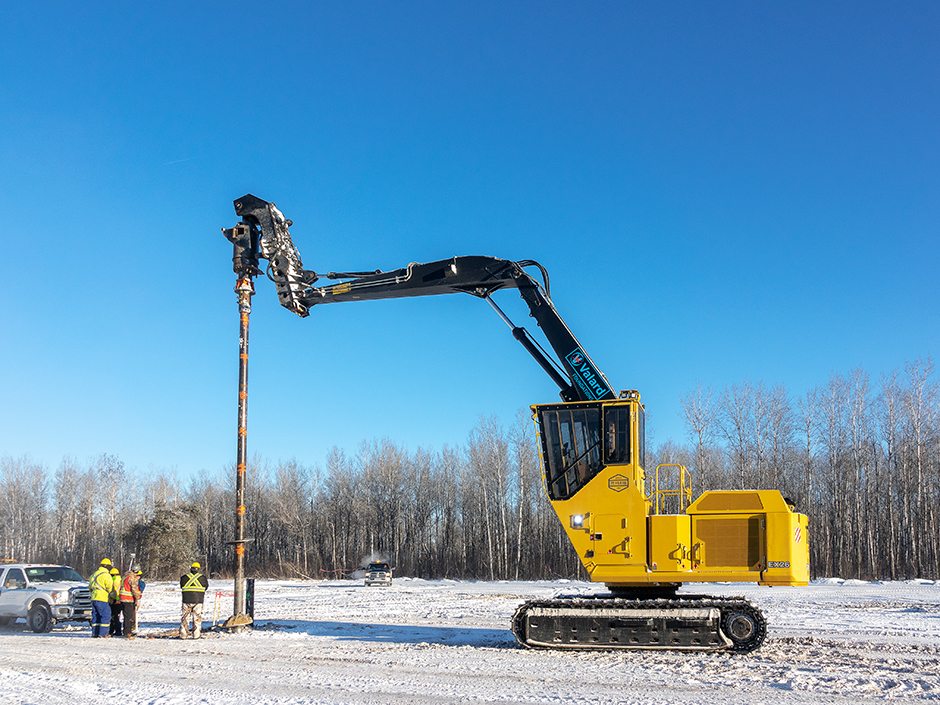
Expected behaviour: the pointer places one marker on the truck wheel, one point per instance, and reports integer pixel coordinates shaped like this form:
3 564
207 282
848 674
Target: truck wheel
39 619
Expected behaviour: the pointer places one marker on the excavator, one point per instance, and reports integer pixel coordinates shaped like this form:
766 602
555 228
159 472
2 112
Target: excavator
636 531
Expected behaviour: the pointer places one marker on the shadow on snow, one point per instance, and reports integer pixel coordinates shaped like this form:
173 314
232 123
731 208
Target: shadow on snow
395 633
345 631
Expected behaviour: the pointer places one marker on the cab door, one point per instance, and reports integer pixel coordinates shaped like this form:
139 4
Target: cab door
13 592
616 541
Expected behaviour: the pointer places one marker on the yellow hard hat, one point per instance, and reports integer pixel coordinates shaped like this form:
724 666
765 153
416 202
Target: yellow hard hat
195 565
115 571
105 561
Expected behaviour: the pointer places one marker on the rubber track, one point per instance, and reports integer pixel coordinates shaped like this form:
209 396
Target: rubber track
725 605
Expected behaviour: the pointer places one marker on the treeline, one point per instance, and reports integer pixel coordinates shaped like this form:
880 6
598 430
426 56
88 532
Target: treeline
862 458
471 512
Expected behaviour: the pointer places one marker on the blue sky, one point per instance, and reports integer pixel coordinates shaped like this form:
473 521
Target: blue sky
719 191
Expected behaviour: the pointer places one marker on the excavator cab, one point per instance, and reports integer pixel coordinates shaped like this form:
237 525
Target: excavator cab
579 440
593 465
593 455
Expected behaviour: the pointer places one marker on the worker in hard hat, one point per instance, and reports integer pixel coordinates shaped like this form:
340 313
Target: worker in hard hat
114 602
100 585
130 600
194 585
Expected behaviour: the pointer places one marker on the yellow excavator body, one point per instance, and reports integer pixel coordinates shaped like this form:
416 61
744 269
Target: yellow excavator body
615 514
642 536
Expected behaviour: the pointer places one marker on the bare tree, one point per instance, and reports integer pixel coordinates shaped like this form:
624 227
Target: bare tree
700 413
890 402
23 490
781 426
291 502
65 532
488 453
922 410
736 422
525 460
808 427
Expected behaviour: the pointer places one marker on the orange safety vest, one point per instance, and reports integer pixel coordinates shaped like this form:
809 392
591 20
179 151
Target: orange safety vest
127 590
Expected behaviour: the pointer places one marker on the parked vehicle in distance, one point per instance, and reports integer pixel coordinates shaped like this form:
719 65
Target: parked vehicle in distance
378 574
42 594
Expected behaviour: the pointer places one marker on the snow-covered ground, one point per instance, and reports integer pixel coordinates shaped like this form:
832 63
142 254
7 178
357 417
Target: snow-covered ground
446 641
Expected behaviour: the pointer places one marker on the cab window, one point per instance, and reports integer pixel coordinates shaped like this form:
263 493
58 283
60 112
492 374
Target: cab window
641 435
571 447
15 579
617 435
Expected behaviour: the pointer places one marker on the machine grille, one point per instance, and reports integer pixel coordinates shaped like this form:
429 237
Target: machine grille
731 541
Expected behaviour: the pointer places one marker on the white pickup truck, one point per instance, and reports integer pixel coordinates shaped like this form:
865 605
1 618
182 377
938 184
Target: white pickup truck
378 574
42 594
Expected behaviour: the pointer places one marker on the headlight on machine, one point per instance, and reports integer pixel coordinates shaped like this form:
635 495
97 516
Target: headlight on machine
60 598
580 521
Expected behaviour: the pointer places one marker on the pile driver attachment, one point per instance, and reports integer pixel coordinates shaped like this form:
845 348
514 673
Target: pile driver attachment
263 233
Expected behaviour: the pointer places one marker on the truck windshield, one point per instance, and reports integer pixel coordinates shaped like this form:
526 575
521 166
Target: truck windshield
53 574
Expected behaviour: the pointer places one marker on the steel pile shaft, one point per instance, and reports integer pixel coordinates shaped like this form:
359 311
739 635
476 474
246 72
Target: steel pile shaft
244 289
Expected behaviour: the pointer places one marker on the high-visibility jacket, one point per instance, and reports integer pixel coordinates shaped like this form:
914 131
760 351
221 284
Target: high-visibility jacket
115 595
100 584
130 588
194 586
